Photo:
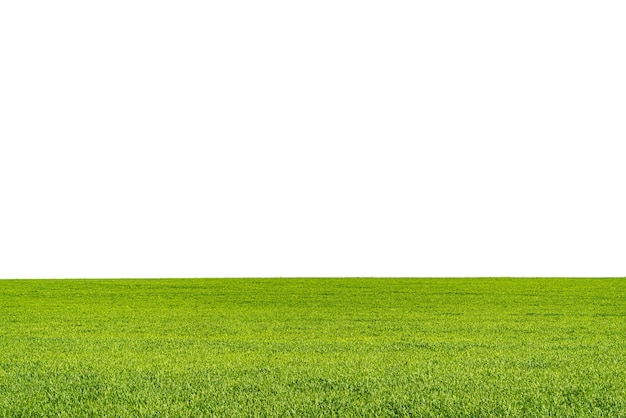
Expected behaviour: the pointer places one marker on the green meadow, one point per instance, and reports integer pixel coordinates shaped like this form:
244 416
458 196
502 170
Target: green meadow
313 347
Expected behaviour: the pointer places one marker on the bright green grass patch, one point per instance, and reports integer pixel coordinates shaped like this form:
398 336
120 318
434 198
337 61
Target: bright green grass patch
313 347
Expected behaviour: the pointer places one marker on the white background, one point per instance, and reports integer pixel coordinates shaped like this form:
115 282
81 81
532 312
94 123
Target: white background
312 138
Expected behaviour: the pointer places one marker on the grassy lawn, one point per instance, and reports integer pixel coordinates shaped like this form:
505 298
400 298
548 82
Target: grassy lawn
313 347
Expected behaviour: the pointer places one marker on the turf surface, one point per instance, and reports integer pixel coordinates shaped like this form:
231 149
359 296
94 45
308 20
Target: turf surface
313 347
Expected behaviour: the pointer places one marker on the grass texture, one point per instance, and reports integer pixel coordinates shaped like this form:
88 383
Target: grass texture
313 347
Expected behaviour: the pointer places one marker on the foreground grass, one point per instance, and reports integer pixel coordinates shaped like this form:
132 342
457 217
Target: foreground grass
313 347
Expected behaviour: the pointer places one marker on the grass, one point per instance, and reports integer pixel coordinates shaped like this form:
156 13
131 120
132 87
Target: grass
313 347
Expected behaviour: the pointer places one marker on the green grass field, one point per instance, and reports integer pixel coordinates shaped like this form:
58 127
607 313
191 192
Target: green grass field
313 347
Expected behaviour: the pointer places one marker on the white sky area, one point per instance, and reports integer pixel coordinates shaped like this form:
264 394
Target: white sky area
312 138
